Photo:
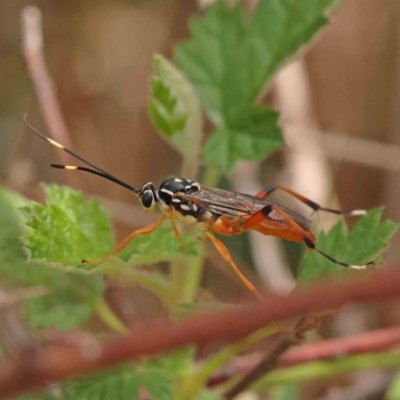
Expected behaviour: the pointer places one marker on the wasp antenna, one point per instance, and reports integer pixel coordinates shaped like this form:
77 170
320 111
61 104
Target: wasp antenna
102 173
92 171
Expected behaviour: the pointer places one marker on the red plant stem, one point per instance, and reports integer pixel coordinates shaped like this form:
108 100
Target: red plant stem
369 342
55 363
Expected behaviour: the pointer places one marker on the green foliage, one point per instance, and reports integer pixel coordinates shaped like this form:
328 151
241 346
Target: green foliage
161 245
208 395
255 134
157 377
231 58
70 299
175 111
67 229
163 109
363 243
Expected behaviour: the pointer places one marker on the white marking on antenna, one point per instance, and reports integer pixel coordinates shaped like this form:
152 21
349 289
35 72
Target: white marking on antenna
55 143
358 212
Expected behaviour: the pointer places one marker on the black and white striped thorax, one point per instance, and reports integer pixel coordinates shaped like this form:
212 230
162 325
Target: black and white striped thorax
168 195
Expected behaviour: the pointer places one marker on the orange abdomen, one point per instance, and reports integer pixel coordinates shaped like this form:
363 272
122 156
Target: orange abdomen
283 231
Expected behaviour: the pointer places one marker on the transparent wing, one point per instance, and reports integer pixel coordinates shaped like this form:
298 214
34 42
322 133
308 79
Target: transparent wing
235 204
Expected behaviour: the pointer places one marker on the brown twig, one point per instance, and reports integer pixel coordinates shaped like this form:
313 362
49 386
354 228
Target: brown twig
369 342
267 364
31 19
55 363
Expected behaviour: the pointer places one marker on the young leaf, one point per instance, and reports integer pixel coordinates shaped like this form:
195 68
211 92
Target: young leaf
12 257
178 364
122 385
161 245
68 229
231 58
70 299
368 238
156 376
255 134
175 111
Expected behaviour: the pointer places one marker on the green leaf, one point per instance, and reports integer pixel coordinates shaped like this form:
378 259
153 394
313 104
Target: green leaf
70 299
207 394
161 245
121 385
286 392
175 111
368 238
157 376
254 135
68 229
10 218
231 58
178 364
163 110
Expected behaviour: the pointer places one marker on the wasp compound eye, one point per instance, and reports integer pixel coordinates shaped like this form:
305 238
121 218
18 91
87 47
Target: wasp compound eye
147 199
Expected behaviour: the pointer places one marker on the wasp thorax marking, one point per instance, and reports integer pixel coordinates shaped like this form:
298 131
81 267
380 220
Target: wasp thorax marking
185 207
171 194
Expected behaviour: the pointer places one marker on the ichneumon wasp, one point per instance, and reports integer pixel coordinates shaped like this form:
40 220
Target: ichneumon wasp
215 210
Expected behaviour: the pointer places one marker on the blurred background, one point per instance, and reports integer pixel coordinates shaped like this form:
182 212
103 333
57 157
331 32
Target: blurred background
339 107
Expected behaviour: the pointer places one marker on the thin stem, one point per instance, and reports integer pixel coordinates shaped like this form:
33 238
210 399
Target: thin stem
179 277
327 369
211 176
264 367
109 317
195 383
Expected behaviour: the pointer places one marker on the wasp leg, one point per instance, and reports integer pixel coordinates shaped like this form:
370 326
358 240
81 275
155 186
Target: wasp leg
138 232
177 233
258 217
225 254
315 206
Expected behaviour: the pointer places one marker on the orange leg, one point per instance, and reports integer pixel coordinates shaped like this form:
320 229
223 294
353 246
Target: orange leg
258 217
225 254
138 232
177 233
316 207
